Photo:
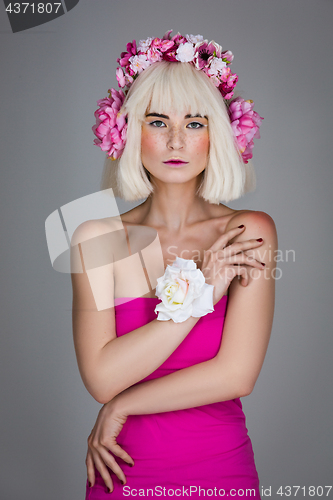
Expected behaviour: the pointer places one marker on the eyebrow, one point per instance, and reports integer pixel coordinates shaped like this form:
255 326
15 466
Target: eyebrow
167 117
159 115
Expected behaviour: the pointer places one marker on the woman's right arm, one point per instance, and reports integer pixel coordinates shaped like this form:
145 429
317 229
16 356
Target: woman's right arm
109 364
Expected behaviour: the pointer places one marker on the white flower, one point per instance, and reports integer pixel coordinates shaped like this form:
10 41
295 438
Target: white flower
183 292
139 63
194 38
144 45
216 66
185 52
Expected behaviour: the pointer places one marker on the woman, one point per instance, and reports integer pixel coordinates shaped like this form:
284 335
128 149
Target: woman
172 421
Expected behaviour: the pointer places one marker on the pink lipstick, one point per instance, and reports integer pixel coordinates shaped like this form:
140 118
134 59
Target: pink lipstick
175 162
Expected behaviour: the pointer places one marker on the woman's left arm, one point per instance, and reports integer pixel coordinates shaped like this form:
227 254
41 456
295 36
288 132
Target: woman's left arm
232 373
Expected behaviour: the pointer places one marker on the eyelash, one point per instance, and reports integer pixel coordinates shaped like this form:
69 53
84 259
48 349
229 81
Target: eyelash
196 123
153 123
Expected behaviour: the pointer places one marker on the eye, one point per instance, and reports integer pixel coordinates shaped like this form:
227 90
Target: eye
195 125
157 123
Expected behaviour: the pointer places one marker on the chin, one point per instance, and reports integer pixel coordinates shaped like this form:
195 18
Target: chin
175 174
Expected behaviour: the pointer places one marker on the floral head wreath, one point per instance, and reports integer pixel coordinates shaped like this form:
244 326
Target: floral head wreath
111 126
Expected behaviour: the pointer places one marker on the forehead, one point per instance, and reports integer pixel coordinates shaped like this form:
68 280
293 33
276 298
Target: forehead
168 99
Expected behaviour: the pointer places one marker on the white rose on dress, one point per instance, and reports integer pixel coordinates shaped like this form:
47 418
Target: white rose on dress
185 52
183 292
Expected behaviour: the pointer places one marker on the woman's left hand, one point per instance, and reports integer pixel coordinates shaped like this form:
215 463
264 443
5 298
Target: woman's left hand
102 439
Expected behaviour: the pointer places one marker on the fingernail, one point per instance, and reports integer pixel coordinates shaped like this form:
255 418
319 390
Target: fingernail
109 490
90 485
122 482
240 227
131 465
260 239
263 264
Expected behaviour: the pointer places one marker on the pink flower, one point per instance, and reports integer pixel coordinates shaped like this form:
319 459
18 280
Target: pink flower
227 56
227 90
178 39
168 45
217 47
154 55
162 45
120 77
124 56
205 51
170 55
202 54
110 128
167 35
245 124
229 81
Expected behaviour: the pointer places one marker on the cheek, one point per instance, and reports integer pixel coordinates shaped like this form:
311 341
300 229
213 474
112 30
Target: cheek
149 144
201 146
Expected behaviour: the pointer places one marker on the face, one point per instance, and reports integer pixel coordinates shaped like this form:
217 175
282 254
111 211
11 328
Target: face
174 147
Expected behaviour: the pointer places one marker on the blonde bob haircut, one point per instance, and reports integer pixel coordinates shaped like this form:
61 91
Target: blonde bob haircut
169 86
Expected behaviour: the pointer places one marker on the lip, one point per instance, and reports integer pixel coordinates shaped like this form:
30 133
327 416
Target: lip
175 162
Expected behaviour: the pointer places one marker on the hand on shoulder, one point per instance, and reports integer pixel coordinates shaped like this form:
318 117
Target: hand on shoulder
239 251
257 225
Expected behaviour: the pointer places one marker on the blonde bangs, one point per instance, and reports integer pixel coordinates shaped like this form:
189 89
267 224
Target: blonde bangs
168 86
179 87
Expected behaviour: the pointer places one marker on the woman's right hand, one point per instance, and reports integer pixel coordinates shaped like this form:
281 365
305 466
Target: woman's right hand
223 262
102 441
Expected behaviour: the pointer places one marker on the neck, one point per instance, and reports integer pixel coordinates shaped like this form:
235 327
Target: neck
174 206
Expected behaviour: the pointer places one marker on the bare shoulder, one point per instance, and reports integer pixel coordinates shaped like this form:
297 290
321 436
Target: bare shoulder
257 224
90 229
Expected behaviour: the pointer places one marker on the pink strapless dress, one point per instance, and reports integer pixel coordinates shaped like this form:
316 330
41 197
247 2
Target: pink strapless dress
193 453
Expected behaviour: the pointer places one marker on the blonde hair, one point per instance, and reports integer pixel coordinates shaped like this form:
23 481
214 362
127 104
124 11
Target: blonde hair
166 86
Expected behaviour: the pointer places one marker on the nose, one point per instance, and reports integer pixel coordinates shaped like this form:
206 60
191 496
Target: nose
176 139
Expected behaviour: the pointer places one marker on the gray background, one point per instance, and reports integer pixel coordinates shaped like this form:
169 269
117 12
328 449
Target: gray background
52 76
